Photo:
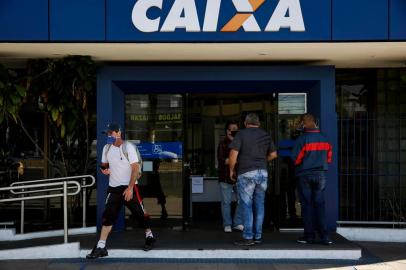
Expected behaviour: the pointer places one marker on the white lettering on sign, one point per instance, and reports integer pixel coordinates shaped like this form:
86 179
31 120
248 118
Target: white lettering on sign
189 20
140 18
279 20
211 17
183 15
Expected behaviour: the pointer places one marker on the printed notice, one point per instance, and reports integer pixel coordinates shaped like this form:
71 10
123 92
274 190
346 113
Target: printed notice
197 184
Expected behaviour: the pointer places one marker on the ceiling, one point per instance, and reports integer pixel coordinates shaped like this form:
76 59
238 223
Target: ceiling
342 55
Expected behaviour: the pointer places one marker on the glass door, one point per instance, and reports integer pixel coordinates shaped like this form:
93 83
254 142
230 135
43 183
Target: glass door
154 122
207 117
285 209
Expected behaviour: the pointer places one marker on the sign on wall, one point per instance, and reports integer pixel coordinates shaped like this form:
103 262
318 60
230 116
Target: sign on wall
175 117
183 14
162 150
218 20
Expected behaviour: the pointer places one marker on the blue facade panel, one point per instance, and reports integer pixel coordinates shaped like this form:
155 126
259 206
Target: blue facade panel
77 20
108 97
360 20
109 20
23 20
397 20
316 18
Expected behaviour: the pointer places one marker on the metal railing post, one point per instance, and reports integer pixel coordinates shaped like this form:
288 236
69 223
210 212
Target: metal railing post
65 212
22 216
84 203
22 219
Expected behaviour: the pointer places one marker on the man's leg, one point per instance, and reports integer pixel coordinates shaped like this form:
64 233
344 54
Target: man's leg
105 231
320 210
305 194
261 181
161 198
283 187
136 207
291 191
246 188
238 215
226 191
160 195
114 202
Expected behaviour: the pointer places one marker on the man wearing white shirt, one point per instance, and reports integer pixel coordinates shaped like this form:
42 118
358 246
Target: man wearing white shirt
121 163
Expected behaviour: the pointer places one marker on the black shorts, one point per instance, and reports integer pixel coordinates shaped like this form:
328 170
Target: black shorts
115 201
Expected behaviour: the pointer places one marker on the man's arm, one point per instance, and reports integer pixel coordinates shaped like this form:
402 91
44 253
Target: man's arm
272 152
272 155
135 172
105 171
330 153
104 166
221 158
297 157
231 163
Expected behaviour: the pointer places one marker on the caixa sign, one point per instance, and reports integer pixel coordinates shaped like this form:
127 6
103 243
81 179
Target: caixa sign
227 16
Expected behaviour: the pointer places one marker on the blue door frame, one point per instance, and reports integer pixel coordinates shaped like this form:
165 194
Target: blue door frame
113 83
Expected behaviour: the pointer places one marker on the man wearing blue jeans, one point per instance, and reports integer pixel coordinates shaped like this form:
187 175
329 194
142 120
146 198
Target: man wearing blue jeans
253 148
226 183
311 154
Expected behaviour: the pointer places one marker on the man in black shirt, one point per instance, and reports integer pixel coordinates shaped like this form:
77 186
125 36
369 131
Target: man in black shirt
253 148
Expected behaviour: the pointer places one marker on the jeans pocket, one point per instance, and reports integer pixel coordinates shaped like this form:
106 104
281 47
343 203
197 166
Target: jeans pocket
262 178
263 184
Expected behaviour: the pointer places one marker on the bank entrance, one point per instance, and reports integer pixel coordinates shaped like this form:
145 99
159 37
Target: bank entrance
177 118
178 136
208 114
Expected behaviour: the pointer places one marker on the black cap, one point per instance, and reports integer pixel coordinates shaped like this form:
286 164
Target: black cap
112 127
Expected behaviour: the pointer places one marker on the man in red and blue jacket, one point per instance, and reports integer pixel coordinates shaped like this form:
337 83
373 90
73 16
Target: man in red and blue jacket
311 155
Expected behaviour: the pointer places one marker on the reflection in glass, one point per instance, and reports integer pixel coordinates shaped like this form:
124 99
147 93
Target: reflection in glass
154 124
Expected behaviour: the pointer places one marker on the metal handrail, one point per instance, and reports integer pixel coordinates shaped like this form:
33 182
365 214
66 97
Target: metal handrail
84 195
78 188
56 179
41 190
67 184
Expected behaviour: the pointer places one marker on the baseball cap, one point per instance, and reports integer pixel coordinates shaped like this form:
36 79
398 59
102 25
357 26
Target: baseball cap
112 127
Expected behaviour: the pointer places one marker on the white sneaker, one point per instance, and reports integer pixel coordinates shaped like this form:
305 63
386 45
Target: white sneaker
239 228
227 229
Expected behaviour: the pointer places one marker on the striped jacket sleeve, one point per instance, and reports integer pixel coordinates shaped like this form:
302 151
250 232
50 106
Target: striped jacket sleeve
296 150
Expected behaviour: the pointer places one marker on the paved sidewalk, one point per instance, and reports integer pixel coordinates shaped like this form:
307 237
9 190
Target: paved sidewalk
376 256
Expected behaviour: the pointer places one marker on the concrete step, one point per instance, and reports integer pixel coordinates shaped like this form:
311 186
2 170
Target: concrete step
196 243
73 250
10 235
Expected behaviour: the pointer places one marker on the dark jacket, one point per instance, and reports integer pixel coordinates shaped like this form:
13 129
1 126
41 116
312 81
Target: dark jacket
222 154
311 153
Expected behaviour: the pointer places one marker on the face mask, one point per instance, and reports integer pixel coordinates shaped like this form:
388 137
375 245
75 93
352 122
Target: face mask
110 140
